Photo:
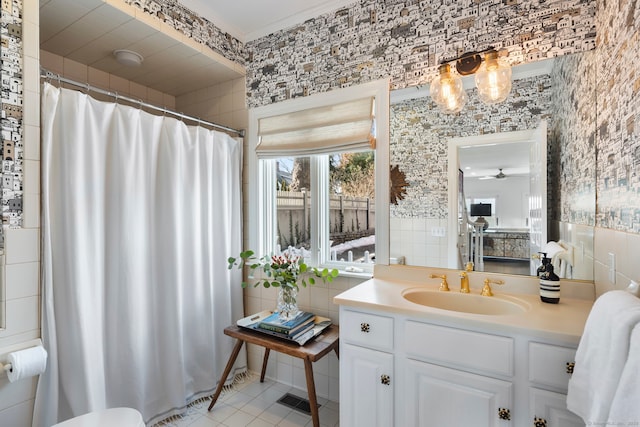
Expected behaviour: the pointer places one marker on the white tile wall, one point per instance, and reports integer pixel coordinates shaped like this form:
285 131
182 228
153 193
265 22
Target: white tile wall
22 246
625 247
426 249
82 73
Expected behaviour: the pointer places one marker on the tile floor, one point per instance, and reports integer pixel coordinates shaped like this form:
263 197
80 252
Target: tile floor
253 404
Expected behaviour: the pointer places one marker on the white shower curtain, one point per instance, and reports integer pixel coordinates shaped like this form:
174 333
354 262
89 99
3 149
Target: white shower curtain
140 213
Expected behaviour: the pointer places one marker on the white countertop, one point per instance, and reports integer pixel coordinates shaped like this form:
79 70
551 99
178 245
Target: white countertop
560 322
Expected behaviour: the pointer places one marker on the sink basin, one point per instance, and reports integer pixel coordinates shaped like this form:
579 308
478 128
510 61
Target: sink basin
496 305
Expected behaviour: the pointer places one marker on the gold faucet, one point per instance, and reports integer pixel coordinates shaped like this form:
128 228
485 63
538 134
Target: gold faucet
444 286
464 282
486 289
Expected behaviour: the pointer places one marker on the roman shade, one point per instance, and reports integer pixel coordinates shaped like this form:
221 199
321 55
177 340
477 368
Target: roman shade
348 126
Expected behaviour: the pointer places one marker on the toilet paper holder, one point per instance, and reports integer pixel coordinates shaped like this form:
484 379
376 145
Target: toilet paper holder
4 352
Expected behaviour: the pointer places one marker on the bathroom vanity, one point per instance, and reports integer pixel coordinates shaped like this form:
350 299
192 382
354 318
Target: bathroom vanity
412 355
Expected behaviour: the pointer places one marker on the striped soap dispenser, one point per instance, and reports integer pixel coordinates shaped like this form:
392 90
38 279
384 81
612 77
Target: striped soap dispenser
549 284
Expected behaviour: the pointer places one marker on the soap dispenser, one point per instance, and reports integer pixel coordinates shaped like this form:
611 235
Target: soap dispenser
549 284
543 263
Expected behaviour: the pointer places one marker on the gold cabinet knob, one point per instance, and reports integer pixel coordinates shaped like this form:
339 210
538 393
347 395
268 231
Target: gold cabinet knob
539 422
504 414
364 327
385 379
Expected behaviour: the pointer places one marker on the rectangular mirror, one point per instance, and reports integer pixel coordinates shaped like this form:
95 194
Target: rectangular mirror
425 226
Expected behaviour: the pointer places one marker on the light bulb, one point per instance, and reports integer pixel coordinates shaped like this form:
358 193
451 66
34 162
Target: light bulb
493 79
446 90
455 104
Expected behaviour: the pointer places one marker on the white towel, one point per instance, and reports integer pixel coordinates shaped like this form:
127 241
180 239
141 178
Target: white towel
552 248
625 407
601 356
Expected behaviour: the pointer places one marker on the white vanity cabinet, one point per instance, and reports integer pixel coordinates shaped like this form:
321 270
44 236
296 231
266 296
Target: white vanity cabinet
366 358
398 370
550 367
454 377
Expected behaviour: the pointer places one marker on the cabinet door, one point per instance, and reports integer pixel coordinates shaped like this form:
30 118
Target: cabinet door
551 409
366 387
435 396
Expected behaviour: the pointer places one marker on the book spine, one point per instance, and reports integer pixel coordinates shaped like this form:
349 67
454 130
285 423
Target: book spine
278 329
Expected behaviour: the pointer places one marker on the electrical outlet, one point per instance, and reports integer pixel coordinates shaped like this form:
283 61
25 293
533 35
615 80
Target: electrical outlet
612 267
438 231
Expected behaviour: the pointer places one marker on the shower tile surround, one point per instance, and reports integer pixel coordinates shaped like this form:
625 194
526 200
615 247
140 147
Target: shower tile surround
308 67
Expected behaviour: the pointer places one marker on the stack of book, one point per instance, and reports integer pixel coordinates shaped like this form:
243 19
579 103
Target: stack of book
290 329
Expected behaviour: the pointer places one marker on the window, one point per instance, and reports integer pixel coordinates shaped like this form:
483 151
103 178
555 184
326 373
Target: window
315 180
325 207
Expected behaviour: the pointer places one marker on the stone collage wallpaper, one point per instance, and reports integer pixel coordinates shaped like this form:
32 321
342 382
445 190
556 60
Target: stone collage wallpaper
571 163
419 135
618 100
11 120
407 40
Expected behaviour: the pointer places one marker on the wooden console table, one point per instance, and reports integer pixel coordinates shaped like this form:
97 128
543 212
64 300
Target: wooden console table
310 352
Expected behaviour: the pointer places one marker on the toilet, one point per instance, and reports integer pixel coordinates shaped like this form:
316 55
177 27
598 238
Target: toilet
114 417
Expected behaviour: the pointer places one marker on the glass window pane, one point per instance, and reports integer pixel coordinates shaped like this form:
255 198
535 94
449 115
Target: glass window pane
294 204
352 207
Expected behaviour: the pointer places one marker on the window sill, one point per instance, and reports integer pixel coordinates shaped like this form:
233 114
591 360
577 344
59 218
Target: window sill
355 274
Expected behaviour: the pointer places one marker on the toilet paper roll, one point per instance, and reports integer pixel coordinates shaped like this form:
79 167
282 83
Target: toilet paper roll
27 363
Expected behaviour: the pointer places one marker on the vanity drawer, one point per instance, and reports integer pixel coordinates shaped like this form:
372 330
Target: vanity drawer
550 364
366 329
459 348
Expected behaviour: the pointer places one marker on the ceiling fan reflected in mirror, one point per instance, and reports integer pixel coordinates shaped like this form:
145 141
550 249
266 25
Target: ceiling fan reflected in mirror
500 175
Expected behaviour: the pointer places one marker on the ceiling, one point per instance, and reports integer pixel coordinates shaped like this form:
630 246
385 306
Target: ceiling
485 161
248 20
88 31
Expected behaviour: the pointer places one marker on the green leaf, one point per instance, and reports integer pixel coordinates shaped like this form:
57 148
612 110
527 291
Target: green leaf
231 260
312 280
303 268
335 273
246 254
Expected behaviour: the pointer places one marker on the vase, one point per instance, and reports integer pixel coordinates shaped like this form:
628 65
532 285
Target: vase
287 303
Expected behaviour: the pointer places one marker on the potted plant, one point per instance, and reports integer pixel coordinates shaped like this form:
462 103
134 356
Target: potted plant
286 272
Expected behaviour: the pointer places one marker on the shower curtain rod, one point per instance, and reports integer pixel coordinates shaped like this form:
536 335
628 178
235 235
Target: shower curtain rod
52 76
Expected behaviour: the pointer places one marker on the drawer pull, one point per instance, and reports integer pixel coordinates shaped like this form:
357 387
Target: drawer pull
504 414
385 379
364 327
539 422
570 366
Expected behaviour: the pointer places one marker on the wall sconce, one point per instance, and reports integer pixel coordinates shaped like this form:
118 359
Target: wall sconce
492 77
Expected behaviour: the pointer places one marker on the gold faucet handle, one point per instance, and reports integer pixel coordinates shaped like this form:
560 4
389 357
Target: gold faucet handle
486 289
469 266
464 282
444 286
